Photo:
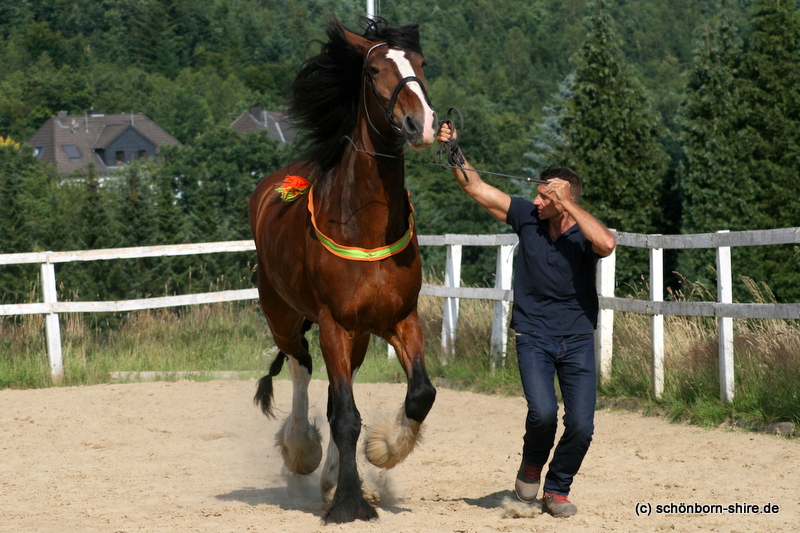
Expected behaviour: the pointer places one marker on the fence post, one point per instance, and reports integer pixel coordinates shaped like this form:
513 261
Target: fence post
503 274
53 331
604 335
725 324
657 321
452 278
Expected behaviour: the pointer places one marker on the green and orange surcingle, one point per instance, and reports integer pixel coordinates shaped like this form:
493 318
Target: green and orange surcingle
293 187
354 253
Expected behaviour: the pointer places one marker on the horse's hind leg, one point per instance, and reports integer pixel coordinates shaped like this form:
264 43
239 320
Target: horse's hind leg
298 439
391 440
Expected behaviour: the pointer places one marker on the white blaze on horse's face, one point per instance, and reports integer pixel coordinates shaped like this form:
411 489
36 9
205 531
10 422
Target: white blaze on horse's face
429 120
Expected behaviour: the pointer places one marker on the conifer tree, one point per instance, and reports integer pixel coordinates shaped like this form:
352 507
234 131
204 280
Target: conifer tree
612 132
138 226
16 228
605 128
770 88
17 218
716 189
741 132
549 139
93 279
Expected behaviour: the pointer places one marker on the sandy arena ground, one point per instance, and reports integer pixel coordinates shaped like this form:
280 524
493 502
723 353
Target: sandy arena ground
196 457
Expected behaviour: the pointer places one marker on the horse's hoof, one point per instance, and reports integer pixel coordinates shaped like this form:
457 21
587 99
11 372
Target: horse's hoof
348 509
389 443
328 491
301 453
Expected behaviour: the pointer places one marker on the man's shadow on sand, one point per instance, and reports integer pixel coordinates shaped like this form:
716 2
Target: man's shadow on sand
504 500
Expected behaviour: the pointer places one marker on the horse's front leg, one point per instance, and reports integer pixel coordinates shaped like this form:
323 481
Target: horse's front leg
391 440
341 360
330 472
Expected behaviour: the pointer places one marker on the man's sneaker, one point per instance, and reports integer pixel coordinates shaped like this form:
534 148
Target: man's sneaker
528 479
558 505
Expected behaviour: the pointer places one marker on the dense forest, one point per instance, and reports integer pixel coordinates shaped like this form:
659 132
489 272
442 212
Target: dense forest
681 115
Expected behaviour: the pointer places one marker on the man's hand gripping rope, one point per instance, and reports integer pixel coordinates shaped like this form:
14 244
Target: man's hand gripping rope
449 149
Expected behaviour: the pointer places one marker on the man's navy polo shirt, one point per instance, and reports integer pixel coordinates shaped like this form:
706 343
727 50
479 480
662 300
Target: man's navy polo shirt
554 282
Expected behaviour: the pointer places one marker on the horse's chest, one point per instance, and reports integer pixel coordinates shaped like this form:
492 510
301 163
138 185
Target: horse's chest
372 292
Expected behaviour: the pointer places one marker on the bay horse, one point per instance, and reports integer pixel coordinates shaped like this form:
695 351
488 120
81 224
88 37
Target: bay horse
342 253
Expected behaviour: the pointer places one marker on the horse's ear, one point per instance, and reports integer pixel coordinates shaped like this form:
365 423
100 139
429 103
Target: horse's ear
413 31
358 42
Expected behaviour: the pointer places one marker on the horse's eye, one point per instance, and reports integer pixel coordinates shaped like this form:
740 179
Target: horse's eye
373 71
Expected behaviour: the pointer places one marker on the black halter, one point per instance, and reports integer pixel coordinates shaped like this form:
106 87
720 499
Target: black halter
388 111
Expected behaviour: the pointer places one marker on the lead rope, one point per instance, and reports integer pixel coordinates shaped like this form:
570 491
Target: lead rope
450 149
443 165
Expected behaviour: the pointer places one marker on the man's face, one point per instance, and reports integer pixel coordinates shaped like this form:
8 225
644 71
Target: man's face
547 207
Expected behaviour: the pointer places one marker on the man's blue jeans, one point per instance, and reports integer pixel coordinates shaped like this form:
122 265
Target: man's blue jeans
571 357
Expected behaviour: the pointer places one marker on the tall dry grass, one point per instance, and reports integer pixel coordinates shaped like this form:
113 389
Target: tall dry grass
470 366
766 364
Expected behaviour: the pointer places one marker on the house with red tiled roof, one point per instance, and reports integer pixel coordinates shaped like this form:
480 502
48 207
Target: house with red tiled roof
72 142
258 118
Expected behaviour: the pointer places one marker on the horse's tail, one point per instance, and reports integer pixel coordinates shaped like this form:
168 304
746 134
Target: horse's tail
263 397
264 392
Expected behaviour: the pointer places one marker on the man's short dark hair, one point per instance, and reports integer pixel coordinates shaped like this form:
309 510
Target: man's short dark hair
566 174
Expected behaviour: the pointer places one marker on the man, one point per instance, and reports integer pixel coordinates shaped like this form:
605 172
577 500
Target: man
555 314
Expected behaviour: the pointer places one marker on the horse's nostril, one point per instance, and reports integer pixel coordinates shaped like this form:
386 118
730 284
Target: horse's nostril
410 125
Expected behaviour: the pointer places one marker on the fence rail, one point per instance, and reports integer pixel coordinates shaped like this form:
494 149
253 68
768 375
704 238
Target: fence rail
502 294
712 309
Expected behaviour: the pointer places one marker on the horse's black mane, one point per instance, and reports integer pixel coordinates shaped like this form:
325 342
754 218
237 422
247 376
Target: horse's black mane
323 99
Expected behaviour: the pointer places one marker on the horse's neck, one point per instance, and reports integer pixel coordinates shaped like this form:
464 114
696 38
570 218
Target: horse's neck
365 194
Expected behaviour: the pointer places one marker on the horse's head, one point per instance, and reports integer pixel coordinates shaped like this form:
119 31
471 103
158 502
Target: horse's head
377 74
395 95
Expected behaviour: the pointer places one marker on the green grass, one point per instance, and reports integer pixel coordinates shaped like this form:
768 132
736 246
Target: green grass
208 338
235 337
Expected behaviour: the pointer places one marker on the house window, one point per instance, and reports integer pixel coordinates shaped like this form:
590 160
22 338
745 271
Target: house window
120 157
72 151
38 151
142 154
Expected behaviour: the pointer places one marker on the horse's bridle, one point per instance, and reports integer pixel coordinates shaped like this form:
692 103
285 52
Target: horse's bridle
388 111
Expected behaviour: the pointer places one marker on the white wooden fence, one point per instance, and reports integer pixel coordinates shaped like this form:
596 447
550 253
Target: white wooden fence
502 294
723 309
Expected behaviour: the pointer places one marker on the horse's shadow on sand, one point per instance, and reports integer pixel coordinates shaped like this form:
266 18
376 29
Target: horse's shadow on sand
292 499
269 496
289 500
